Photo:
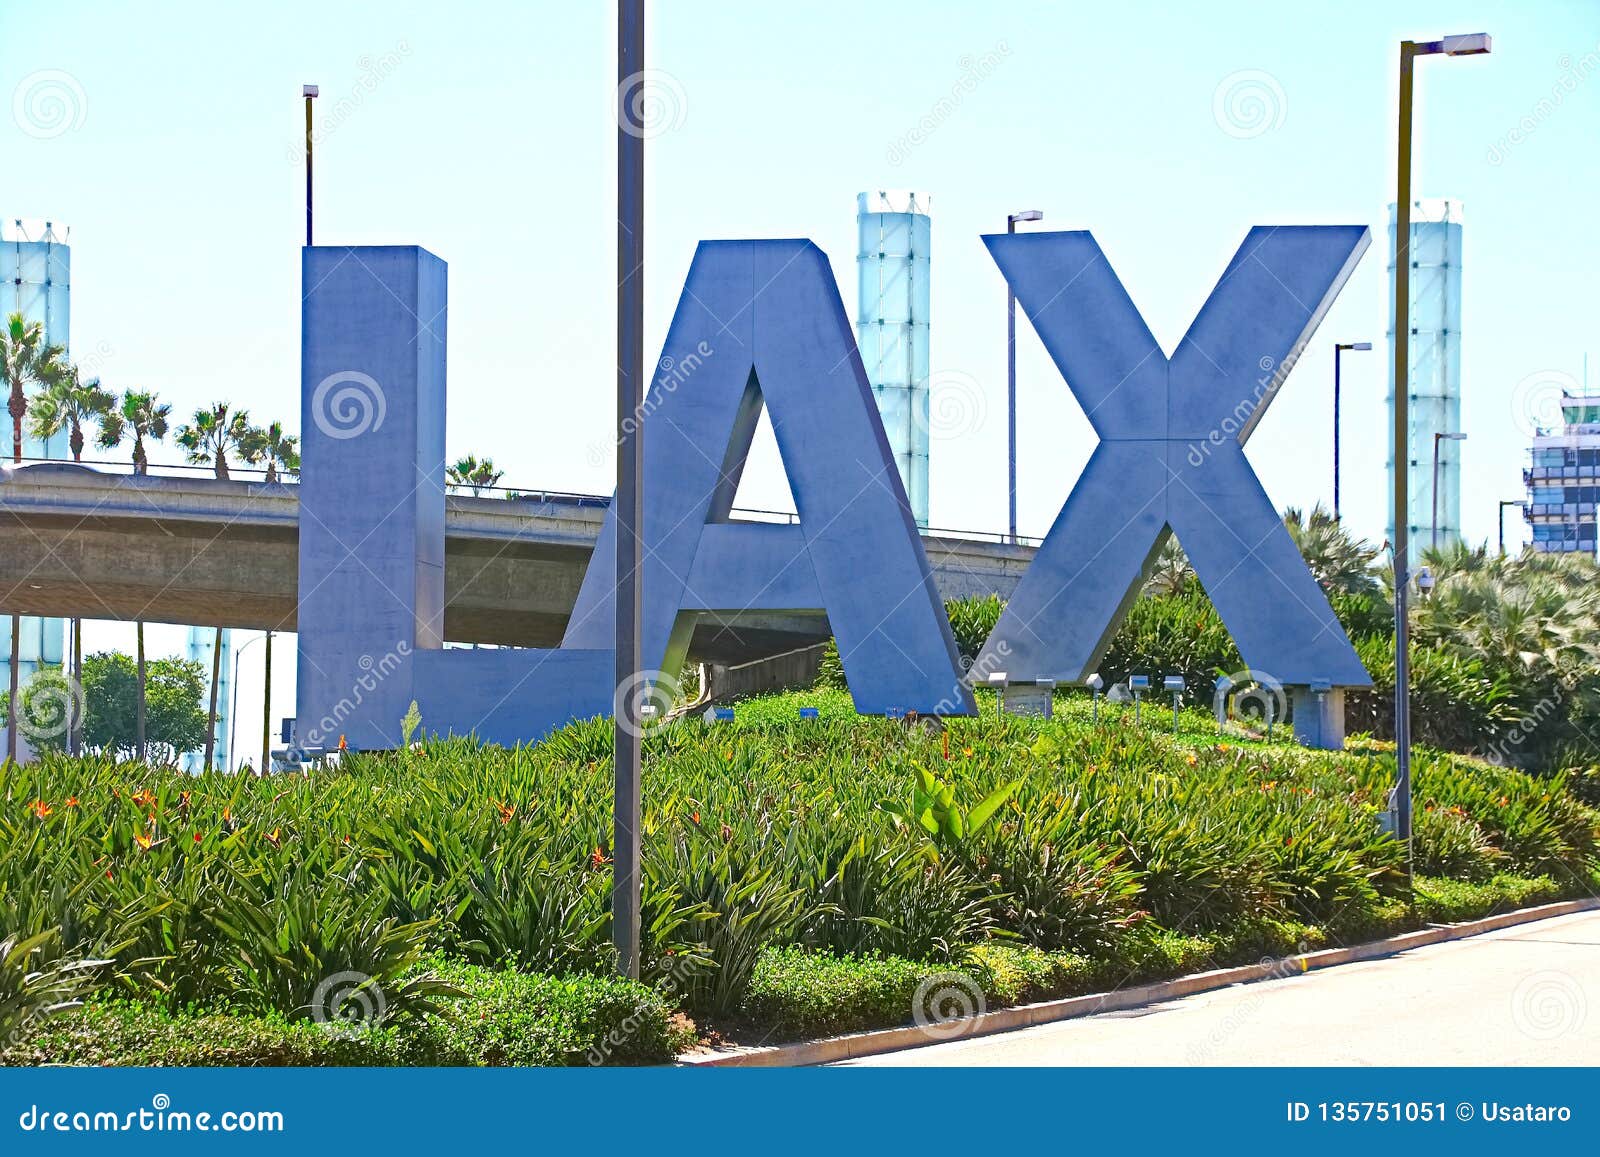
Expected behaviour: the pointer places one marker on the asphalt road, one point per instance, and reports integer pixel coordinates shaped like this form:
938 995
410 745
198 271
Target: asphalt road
1528 995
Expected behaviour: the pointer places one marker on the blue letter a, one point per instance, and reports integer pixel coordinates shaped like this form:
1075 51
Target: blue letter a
761 323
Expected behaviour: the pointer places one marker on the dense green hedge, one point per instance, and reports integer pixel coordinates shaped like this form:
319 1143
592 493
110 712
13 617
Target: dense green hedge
500 1018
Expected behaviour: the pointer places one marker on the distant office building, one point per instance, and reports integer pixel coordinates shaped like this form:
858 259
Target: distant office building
1563 478
36 281
894 231
1435 371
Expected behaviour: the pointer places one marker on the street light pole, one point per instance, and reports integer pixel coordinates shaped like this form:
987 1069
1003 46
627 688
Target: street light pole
1437 438
309 91
625 877
1505 502
1409 51
1011 379
1339 348
233 709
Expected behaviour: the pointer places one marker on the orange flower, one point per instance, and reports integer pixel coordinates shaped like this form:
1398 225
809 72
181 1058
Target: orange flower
145 798
342 745
694 817
183 800
506 812
40 809
1192 760
144 841
967 751
273 838
598 858
108 873
227 815
70 801
728 755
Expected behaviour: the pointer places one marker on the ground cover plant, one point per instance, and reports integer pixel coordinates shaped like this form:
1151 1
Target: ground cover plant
449 903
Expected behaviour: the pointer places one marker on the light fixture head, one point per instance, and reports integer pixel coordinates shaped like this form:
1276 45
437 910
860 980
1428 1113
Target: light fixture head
1139 682
1094 682
1359 345
1028 215
1471 44
308 90
997 679
1173 683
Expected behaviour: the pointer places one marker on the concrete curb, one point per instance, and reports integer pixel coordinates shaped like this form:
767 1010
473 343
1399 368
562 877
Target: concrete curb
865 1044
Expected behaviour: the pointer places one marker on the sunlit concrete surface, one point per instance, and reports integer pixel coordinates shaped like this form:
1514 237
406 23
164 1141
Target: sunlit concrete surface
1523 996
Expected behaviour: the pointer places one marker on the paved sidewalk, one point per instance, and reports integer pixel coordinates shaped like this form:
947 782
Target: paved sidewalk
1528 995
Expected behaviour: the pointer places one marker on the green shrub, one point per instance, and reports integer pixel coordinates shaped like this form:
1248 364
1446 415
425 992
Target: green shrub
126 1033
516 1018
798 993
1449 843
1453 901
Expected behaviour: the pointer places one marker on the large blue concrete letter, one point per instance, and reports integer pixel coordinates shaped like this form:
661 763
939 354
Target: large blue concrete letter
1171 454
372 505
761 323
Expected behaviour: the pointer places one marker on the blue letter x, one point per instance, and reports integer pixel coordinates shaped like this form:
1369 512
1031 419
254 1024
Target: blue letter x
1171 454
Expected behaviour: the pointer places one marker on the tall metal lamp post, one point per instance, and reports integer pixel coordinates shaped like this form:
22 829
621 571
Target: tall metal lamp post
309 91
1011 379
1439 437
1505 502
1339 348
625 879
1471 45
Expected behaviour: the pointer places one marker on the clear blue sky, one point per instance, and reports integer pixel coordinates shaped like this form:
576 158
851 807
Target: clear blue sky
484 131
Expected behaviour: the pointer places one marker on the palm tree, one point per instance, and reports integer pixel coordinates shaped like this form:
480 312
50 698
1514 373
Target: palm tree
139 415
210 438
67 402
470 474
146 419
272 446
215 433
1339 561
27 360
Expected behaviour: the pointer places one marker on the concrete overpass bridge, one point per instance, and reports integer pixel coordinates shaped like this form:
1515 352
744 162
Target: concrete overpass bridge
81 542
